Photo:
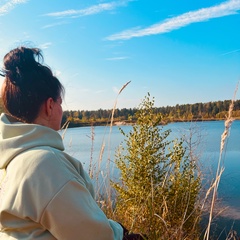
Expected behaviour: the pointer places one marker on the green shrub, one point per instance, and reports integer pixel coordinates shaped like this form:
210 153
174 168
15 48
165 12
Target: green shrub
158 191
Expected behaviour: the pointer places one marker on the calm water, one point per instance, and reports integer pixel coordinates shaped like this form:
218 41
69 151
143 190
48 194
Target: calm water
78 143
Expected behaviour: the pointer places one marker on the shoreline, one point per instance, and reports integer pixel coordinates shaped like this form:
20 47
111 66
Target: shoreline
128 123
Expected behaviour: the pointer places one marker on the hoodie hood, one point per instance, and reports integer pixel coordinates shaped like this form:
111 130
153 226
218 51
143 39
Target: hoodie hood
16 137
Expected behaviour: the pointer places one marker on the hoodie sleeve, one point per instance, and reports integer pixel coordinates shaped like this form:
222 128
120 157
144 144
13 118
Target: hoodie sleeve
73 214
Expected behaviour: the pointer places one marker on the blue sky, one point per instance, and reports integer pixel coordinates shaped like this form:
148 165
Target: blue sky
179 51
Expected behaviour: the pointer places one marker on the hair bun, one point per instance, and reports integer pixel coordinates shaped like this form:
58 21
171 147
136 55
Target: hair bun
20 62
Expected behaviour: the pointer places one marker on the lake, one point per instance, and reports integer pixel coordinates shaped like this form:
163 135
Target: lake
86 143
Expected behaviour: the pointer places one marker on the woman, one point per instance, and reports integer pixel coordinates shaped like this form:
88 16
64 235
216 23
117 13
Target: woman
44 193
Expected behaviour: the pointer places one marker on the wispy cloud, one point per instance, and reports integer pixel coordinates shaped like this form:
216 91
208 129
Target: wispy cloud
57 73
45 45
9 5
116 58
55 24
227 8
227 53
90 10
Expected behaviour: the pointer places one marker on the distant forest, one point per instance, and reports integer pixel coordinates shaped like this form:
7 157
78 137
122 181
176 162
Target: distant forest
187 112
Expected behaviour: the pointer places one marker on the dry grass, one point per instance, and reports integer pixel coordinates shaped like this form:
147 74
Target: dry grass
102 188
220 166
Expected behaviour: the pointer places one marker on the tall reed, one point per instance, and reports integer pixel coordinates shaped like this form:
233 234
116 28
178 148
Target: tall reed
220 166
102 178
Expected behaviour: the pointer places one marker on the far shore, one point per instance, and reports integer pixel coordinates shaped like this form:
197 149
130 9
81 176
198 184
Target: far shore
129 123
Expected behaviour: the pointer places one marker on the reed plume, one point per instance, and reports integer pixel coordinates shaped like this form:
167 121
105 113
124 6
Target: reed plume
220 166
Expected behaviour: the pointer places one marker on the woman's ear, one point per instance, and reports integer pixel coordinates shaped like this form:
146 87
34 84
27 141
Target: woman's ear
49 106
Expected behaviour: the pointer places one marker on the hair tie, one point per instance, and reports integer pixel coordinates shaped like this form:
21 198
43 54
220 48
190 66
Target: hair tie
14 77
2 72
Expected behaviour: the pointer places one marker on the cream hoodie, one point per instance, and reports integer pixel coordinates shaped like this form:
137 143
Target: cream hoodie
45 193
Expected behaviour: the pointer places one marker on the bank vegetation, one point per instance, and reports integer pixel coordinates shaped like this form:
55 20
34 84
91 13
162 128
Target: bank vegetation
209 111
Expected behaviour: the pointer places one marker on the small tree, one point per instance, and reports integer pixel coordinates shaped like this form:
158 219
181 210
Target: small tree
159 186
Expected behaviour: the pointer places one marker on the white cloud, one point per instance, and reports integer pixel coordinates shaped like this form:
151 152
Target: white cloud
26 35
57 73
9 5
54 24
227 8
116 58
45 45
227 53
90 10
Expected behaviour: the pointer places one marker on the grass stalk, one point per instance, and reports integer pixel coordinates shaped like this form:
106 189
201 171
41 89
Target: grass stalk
109 139
91 166
220 167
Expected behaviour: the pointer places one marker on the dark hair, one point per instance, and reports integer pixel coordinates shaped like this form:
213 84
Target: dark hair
28 83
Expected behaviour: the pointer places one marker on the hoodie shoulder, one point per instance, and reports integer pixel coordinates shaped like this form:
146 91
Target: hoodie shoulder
16 137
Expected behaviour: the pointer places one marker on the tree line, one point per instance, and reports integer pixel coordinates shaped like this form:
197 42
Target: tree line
217 110
186 112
